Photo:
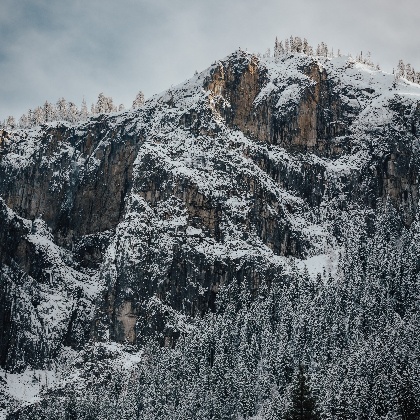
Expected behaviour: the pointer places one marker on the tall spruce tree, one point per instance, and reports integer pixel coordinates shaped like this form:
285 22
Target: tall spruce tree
139 101
303 403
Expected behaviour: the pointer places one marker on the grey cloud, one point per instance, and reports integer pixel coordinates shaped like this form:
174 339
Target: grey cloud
50 48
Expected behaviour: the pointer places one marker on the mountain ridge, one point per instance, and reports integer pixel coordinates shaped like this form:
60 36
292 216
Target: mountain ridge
127 226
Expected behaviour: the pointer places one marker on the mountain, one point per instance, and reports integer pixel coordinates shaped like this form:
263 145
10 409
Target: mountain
194 258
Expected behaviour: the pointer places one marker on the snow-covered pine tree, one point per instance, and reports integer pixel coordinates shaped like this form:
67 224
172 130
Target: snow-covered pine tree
49 114
368 60
10 123
305 46
276 48
61 109
29 118
101 104
310 50
292 44
298 45
110 105
73 114
83 111
400 69
303 405
23 121
281 48
322 50
286 46
410 74
38 116
104 104
139 101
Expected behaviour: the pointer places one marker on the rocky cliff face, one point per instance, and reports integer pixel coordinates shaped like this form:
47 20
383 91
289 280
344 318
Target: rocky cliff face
111 228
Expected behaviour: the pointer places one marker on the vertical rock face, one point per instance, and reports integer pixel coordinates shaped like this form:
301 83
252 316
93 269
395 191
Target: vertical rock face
45 302
130 221
310 125
233 87
75 180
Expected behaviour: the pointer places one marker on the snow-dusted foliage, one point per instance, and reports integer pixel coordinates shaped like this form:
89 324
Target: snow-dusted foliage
408 72
67 111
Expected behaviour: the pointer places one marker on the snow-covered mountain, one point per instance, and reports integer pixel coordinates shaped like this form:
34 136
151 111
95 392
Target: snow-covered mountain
137 227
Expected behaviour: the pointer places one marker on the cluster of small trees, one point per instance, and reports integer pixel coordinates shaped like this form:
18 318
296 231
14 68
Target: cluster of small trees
291 45
296 44
64 110
366 59
299 45
408 72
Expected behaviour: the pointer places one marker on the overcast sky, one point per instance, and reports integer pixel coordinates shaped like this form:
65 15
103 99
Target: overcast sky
79 48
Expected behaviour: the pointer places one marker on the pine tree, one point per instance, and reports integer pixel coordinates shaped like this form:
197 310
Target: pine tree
139 101
38 116
303 403
110 105
286 46
83 111
71 407
409 73
49 114
322 50
281 48
10 123
61 109
298 44
101 104
104 104
29 118
305 47
73 114
310 50
23 121
276 48
292 44
368 59
318 50
400 69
